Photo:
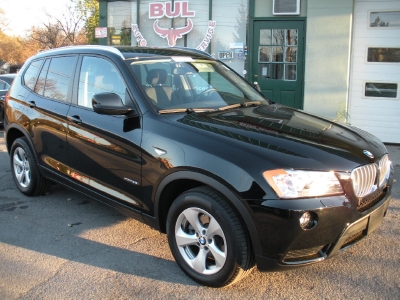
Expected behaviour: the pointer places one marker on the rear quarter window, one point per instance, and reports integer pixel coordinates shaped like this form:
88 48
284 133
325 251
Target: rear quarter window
31 74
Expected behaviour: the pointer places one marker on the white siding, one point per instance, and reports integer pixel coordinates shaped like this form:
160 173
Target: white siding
379 116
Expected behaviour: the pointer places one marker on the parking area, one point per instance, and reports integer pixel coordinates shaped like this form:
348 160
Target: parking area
64 245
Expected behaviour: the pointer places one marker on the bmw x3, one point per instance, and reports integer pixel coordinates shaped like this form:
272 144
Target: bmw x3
179 141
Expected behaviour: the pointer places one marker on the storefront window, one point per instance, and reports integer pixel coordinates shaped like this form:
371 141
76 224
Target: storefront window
119 22
220 30
230 32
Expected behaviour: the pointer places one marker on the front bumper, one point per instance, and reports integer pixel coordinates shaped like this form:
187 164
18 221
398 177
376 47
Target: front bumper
286 245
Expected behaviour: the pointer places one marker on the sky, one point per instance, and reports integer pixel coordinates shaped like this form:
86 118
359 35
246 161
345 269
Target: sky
22 14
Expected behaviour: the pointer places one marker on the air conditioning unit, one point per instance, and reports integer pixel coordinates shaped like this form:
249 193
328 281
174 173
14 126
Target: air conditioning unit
286 7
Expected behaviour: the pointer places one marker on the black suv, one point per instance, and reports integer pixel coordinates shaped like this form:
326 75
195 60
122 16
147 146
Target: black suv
178 140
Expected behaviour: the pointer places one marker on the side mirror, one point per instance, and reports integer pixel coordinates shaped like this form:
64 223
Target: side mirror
109 104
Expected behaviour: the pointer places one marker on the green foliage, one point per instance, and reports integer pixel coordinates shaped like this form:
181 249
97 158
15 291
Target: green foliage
89 9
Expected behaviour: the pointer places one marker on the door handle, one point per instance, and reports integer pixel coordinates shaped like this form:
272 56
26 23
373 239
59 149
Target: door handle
32 104
74 119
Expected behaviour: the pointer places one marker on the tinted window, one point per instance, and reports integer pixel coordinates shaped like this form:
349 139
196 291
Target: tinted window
39 88
31 73
98 75
59 77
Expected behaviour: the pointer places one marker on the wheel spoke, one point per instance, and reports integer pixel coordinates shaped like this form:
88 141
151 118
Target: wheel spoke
20 177
219 256
184 239
199 263
214 229
17 160
192 216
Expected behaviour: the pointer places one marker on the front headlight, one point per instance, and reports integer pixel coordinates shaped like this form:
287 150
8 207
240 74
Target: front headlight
291 184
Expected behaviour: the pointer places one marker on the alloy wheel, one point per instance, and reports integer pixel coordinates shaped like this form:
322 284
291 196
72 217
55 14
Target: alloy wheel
201 241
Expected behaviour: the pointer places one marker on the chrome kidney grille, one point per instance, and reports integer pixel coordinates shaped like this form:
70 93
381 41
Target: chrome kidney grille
365 179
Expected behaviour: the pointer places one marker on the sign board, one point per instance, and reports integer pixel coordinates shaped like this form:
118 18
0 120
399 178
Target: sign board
100 32
225 55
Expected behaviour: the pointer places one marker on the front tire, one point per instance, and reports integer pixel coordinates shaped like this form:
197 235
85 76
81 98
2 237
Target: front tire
207 238
25 170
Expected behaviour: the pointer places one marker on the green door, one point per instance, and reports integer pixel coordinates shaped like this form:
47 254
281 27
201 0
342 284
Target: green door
278 60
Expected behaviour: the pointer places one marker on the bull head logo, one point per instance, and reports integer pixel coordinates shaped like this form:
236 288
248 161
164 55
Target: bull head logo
172 34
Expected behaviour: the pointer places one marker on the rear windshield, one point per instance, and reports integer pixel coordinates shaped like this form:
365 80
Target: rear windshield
183 82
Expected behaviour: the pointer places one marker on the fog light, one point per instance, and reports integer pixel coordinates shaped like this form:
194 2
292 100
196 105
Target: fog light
308 220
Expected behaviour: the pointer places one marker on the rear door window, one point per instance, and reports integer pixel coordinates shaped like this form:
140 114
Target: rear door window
59 77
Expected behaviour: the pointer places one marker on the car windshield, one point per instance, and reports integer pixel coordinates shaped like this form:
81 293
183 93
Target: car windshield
182 83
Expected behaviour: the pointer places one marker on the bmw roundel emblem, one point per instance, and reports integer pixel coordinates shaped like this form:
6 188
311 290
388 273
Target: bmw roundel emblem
369 154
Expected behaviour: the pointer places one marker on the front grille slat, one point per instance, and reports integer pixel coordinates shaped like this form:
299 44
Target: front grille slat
384 169
363 179
366 179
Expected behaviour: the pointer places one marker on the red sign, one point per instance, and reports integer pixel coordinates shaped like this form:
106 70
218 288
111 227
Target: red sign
160 9
157 10
172 34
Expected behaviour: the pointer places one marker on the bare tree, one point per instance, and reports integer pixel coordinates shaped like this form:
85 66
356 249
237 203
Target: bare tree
60 31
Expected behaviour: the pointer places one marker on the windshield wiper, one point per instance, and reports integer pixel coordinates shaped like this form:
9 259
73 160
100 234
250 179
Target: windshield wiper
186 110
242 104
191 110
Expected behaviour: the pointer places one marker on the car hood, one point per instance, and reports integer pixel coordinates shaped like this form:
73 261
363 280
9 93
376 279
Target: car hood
288 137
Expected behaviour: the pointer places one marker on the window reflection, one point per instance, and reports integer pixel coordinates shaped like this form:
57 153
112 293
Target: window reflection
382 90
59 77
276 51
265 37
39 88
291 54
31 74
277 54
383 55
385 19
291 37
98 76
278 36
